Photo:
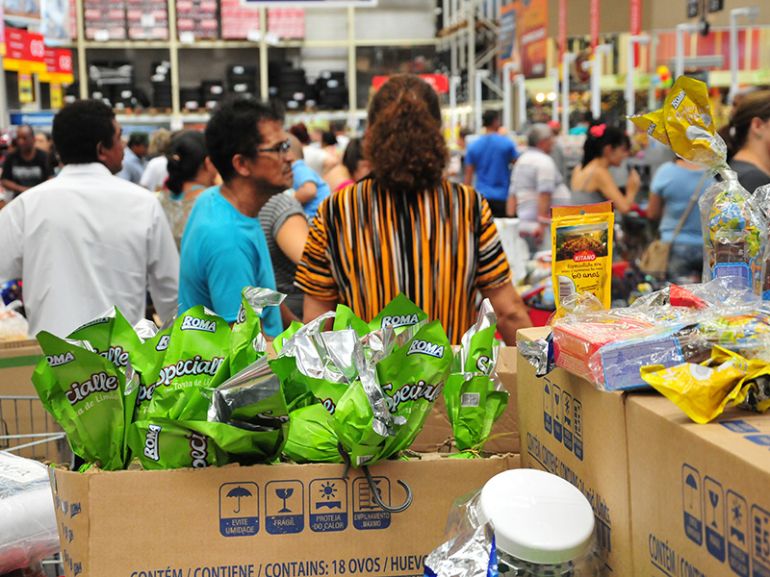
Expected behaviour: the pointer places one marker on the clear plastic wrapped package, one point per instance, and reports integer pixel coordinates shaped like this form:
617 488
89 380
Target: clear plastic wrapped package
674 326
27 517
13 326
523 523
734 223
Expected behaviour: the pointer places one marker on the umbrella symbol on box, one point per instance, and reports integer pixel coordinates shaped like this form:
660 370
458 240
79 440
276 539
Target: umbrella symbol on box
239 493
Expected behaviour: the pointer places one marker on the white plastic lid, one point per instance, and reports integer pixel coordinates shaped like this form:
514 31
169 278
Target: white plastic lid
538 517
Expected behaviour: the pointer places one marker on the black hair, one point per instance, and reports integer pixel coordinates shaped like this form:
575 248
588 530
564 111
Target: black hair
753 105
610 136
138 139
28 127
328 138
233 129
354 153
186 154
79 127
489 118
301 133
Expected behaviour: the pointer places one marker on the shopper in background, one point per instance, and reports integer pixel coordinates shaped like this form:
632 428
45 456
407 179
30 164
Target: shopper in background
605 146
309 188
316 159
330 145
354 162
536 186
156 171
27 166
43 141
87 241
557 151
404 229
223 246
285 226
190 172
489 158
675 186
133 161
749 140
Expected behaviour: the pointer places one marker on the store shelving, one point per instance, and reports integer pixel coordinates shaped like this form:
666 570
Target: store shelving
260 41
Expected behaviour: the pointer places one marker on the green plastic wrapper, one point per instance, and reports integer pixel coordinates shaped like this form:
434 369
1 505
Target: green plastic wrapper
280 340
473 405
197 347
383 412
399 313
474 396
87 395
312 438
112 337
345 318
162 444
247 343
251 403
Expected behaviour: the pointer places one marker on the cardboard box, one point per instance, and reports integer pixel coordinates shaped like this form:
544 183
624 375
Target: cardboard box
26 415
700 494
270 521
436 435
571 429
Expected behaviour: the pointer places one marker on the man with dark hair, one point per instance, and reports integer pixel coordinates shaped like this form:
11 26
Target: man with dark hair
26 166
223 247
490 157
86 241
133 161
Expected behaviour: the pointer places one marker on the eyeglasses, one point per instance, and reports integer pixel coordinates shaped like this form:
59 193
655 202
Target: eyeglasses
280 148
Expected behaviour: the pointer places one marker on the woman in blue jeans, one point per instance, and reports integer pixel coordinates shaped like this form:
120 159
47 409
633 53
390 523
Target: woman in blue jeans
673 187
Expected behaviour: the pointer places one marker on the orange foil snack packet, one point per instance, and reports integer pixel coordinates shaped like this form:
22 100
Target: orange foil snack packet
582 252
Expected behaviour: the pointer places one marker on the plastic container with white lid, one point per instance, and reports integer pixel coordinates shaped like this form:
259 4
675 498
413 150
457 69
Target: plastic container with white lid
543 525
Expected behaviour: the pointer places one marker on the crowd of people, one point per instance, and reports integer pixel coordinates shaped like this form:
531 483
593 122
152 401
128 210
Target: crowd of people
191 218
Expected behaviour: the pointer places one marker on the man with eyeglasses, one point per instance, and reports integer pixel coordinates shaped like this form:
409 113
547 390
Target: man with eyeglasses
223 246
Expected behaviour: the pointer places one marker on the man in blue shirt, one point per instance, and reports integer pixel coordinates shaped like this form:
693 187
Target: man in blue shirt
223 246
134 157
490 157
309 188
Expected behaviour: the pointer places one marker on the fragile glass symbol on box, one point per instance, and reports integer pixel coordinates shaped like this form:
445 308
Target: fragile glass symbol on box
284 495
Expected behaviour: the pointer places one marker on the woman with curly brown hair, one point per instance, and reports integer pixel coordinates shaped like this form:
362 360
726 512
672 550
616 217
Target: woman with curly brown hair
405 229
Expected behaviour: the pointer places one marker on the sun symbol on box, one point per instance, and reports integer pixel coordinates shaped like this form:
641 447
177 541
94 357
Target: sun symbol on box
329 496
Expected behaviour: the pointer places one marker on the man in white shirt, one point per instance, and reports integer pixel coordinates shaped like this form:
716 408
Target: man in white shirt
87 240
536 186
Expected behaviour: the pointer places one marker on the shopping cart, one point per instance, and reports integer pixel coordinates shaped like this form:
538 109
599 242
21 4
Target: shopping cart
27 430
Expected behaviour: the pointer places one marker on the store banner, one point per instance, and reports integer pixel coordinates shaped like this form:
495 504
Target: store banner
313 3
26 90
25 52
59 66
532 36
23 12
506 39
524 36
595 24
562 29
439 82
635 10
2 30
55 25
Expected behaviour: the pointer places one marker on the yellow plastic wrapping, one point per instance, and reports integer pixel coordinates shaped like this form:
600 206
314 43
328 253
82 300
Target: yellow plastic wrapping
734 226
704 391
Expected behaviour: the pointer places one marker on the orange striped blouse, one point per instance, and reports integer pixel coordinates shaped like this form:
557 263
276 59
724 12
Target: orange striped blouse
438 247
